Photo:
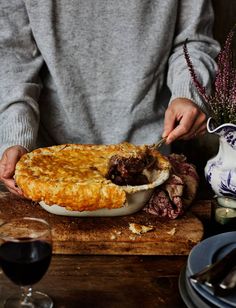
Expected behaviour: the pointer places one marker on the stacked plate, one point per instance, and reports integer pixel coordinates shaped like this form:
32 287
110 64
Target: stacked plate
205 253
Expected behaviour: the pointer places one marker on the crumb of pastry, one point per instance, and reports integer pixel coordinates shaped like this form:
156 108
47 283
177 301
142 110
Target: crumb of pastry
139 229
172 231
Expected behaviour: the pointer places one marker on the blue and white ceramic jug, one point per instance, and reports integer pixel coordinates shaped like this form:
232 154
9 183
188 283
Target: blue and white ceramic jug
220 171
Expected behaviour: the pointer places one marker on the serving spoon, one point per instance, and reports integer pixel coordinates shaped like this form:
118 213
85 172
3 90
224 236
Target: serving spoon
159 143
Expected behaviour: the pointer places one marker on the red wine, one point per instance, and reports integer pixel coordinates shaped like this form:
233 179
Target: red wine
25 263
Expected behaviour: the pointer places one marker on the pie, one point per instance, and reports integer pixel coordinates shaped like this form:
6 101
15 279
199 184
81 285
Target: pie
87 177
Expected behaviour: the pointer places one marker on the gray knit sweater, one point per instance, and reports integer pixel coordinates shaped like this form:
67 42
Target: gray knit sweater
97 71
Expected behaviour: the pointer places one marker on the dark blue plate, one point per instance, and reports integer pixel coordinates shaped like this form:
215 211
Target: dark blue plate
183 291
191 298
205 253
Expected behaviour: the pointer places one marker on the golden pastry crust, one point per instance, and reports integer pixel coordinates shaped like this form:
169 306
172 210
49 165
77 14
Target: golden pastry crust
74 175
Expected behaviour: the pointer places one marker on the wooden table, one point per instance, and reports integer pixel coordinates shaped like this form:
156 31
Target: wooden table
112 280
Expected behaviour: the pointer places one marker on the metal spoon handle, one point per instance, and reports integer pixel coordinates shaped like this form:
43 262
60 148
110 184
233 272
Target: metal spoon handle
159 143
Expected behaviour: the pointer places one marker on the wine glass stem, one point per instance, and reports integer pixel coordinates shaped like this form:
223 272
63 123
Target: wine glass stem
26 295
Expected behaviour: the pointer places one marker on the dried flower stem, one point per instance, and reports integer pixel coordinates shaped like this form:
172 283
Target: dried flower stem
222 103
198 85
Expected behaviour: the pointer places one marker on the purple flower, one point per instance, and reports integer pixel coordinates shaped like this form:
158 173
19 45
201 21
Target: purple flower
221 104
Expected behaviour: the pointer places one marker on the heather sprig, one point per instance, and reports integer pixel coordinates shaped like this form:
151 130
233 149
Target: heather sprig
221 104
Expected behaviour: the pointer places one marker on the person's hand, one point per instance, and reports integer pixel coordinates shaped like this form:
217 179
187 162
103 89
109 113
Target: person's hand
7 167
183 120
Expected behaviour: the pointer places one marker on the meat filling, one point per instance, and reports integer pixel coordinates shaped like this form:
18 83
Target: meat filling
130 171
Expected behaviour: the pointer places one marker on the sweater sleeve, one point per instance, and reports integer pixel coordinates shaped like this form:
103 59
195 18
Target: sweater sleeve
20 62
195 23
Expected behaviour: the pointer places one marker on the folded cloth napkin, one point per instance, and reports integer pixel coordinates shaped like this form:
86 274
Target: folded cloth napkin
173 197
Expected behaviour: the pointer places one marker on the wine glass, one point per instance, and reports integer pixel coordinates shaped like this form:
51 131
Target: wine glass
25 255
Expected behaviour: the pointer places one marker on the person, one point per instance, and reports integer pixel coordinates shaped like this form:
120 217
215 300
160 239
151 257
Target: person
100 72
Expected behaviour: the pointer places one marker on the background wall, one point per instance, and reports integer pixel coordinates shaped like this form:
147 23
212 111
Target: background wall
225 17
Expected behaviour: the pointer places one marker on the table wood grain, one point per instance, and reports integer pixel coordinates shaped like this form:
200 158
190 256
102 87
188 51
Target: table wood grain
109 281
113 280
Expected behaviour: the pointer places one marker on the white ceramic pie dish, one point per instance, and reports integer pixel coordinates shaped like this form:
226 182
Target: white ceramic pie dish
135 201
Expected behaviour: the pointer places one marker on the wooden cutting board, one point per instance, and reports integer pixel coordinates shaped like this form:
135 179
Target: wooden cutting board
110 235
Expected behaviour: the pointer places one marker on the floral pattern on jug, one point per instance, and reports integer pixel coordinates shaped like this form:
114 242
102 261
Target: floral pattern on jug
220 171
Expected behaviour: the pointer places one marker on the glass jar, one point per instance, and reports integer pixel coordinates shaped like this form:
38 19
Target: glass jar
224 214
